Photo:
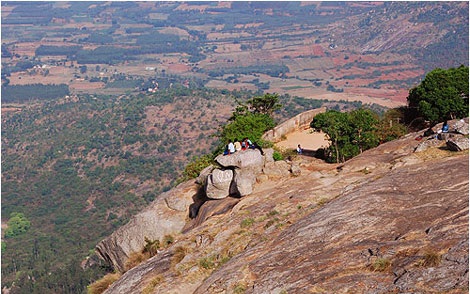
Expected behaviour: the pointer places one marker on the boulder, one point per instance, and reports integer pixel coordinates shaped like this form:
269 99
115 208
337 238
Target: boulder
211 208
457 144
268 155
166 215
277 169
242 159
218 183
243 182
295 169
431 142
202 178
461 127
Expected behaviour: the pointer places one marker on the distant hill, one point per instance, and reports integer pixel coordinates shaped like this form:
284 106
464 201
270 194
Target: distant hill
378 49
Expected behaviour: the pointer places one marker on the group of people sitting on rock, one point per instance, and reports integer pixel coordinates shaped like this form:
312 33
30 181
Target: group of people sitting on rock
235 145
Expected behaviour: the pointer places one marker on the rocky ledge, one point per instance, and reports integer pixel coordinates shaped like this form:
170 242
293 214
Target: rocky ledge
191 203
389 220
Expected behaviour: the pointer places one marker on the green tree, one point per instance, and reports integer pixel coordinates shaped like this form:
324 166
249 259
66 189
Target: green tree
390 127
335 125
363 124
443 94
251 125
266 104
17 225
251 120
350 133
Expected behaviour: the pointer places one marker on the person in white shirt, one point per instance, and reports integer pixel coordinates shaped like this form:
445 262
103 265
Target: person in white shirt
231 147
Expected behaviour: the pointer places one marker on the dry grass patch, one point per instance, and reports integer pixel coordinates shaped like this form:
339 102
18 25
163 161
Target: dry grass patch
437 153
380 265
178 255
102 284
153 283
431 258
135 258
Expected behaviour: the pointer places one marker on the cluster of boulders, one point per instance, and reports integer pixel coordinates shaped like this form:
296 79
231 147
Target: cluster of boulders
238 172
235 176
455 140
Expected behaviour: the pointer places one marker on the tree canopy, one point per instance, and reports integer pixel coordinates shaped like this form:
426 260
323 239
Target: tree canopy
442 95
17 224
252 119
350 133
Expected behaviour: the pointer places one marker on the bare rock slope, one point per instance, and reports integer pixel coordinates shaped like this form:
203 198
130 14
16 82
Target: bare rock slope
389 220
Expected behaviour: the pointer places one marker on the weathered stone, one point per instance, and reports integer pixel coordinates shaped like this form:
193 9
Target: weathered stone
295 169
261 178
277 169
461 127
334 225
397 217
243 182
292 124
444 136
457 143
211 208
218 183
242 159
268 155
202 178
154 222
424 145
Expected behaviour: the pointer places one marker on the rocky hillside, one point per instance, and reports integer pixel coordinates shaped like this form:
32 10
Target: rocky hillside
394 219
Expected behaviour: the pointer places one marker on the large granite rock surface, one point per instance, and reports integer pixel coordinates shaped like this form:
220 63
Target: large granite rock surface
325 230
166 215
398 218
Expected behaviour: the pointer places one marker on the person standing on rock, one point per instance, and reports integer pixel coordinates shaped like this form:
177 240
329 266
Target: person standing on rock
299 149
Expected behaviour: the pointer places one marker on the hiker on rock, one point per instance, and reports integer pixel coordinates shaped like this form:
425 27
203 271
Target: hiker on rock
238 145
230 148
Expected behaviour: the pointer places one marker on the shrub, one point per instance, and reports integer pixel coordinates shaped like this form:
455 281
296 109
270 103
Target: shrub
431 259
380 264
277 156
194 168
207 263
239 288
102 284
247 222
178 255
168 240
17 225
151 247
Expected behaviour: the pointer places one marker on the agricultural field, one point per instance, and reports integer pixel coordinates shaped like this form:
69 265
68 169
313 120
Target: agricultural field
308 49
